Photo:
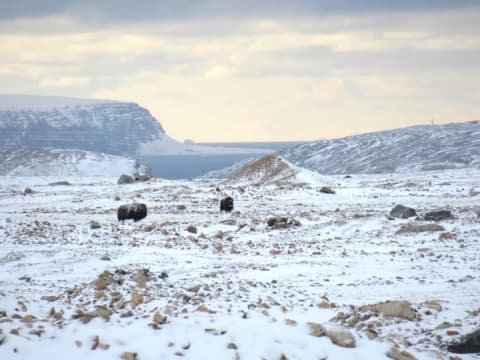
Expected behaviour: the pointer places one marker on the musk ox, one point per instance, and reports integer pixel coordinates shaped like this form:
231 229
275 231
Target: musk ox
226 204
135 211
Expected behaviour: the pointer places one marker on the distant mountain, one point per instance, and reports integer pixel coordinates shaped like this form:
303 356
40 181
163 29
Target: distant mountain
65 162
120 128
113 127
413 148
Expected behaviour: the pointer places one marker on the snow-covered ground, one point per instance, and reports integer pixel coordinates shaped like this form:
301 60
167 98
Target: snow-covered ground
190 282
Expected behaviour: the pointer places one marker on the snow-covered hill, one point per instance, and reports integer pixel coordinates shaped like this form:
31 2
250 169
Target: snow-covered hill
65 162
95 125
414 148
272 169
112 127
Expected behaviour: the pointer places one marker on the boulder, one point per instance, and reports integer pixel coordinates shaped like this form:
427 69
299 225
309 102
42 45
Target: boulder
400 309
326 190
396 354
468 344
439 215
279 222
125 179
415 228
341 337
402 212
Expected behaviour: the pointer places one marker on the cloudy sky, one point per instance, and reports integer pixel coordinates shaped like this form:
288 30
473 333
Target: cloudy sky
224 70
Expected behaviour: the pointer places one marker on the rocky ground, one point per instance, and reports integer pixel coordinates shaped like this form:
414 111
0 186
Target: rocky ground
294 272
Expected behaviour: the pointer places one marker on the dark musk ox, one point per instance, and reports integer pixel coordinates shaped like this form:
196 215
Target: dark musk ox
226 204
135 211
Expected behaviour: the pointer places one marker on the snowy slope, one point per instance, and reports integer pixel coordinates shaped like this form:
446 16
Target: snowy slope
113 127
189 282
272 169
414 148
65 162
228 171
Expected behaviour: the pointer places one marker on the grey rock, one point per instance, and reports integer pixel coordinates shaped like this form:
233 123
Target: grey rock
415 228
279 222
125 179
326 190
469 344
439 215
402 212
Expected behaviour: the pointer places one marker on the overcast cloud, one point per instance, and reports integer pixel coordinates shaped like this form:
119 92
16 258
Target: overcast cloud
242 70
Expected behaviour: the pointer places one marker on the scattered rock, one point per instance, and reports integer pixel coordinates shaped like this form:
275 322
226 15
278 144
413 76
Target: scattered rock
125 179
95 225
415 228
50 298
136 299
401 309
446 236
341 337
101 311
432 304
141 277
194 288
142 178
28 319
278 222
126 314
468 344
326 190
103 280
203 308
396 354
439 215
402 212
316 329
129 356
57 183
159 319
192 229
473 192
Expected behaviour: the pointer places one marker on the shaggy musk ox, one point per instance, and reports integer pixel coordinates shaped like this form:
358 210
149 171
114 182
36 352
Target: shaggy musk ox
135 211
226 204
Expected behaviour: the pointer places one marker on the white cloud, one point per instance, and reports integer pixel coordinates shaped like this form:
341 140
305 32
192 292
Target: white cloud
64 82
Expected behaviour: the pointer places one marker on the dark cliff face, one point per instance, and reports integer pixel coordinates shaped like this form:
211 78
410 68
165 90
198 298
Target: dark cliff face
414 148
112 127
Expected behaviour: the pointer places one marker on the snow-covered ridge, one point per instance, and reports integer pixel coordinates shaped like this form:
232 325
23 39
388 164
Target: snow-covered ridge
113 127
413 148
65 162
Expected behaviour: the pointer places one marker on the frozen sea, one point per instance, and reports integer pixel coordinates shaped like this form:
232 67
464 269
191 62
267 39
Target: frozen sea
191 166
